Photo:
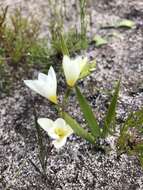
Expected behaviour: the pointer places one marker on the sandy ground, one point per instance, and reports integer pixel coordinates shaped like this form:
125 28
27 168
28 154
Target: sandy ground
78 166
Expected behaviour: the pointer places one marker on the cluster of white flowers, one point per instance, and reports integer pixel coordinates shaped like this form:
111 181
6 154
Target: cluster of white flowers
46 86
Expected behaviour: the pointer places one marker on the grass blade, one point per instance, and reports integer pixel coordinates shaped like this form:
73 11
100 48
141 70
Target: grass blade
111 113
78 130
63 44
88 114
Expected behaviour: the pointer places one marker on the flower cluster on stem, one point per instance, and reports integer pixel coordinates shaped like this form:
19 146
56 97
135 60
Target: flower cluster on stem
46 86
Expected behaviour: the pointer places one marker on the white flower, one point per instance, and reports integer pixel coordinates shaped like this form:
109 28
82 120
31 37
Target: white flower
46 85
58 130
73 68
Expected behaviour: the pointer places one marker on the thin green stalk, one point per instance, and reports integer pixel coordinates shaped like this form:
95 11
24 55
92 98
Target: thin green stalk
42 152
65 11
83 26
68 91
63 45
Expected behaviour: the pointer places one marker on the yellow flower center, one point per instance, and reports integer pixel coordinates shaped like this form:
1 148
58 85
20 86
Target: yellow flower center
60 132
71 83
53 99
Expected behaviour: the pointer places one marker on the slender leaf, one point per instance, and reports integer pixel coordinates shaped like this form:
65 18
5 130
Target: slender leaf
78 130
63 46
139 147
141 160
88 114
111 113
125 23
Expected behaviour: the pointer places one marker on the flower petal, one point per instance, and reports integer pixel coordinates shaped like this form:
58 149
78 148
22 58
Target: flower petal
52 133
45 123
59 142
58 130
52 85
66 59
61 124
31 84
83 63
38 86
42 76
51 72
71 70
52 75
46 85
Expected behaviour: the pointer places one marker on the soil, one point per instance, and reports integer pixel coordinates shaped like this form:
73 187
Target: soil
78 165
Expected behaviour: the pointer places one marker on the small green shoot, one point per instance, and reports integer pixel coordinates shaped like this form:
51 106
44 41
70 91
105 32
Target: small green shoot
99 41
116 35
125 23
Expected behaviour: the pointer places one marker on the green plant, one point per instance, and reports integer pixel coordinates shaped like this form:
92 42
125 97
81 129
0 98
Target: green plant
93 125
56 25
70 40
73 70
130 138
39 53
131 135
3 14
18 37
83 24
46 85
73 40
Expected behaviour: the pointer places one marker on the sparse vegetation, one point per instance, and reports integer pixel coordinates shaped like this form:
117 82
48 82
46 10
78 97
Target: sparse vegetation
131 135
17 37
81 107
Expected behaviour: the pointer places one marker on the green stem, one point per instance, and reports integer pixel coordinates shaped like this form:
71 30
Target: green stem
68 91
82 4
58 108
42 153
